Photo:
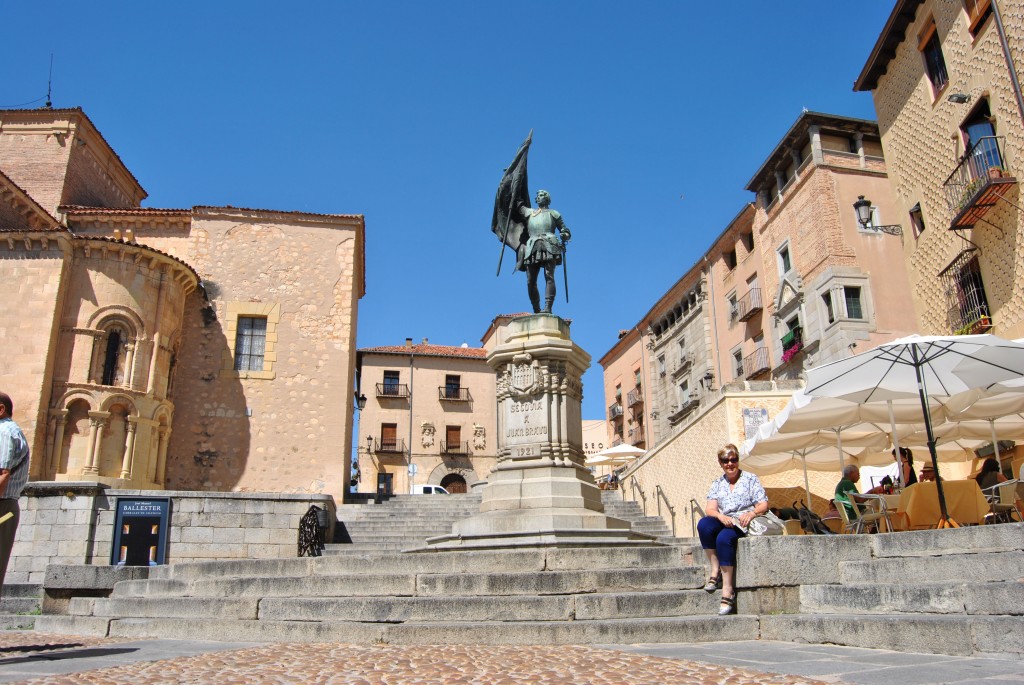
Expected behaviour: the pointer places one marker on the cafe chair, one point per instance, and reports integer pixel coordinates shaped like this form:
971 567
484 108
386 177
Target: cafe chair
847 525
868 514
1002 499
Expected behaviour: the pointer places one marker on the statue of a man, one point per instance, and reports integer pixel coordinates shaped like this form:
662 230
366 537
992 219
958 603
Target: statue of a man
543 248
537 236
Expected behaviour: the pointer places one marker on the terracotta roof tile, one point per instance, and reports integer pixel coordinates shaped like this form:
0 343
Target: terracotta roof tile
428 351
123 211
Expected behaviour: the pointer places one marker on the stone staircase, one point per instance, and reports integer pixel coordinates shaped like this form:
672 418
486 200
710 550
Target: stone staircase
398 523
404 522
530 596
957 592
19 605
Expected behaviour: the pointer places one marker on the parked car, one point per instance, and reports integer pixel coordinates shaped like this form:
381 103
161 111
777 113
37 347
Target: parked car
428 490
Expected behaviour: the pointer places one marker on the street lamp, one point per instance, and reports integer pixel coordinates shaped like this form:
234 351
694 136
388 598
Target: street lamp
863 209
361 402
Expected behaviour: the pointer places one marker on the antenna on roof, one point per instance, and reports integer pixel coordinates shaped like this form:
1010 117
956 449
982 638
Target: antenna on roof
49 85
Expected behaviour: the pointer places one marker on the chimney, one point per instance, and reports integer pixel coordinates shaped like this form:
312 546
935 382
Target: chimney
424 341
408 342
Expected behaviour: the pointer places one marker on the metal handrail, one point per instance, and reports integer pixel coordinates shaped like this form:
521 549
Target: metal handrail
636 435
634 487
614 411
986 153
391 446
749 304
392 390
453 394
695 508
455 447
635 397
756 362
671 510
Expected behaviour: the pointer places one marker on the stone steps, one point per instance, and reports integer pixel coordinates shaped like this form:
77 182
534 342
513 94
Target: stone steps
976 567
986 598
19 605
678 629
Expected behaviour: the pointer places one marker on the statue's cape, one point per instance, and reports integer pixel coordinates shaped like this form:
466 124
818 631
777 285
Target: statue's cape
513 192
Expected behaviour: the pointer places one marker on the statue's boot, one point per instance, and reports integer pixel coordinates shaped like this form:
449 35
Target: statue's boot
547 305
535 301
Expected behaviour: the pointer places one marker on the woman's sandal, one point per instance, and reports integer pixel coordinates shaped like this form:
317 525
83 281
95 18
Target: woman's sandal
727 607
714 583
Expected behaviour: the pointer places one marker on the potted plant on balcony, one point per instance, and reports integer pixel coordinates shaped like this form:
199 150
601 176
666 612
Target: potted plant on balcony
995 172
790 352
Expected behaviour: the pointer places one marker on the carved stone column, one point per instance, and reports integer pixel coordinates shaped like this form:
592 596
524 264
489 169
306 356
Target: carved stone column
540 493
129 450
97 421
56 444
161 452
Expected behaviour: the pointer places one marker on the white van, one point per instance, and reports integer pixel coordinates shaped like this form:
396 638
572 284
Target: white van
428 490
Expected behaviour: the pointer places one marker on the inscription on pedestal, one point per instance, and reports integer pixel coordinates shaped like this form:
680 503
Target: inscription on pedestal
526 427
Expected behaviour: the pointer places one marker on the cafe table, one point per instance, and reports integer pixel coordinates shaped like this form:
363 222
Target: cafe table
964 501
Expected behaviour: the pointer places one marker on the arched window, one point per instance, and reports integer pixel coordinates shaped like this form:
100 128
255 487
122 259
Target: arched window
111 356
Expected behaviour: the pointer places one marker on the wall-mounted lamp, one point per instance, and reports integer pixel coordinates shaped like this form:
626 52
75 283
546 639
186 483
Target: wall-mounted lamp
709 380
863 209
369 444
361 402
959 98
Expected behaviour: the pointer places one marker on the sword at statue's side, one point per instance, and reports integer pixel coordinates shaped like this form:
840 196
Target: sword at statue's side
565 269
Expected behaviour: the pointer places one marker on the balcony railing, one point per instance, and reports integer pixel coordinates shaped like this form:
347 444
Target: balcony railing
756 363
749 305
614 411
685 362
389 446
617 440
635 397
452 394
686 405
794 337
399 390
454 448
636 435
978 181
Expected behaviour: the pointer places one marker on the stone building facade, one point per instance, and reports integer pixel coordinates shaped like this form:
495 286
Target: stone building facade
208 349
951 115
430 407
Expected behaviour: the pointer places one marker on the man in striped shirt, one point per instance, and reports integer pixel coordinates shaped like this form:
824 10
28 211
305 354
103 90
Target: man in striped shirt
13 476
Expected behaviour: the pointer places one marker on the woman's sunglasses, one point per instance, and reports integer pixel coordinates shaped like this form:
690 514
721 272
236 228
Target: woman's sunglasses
729 460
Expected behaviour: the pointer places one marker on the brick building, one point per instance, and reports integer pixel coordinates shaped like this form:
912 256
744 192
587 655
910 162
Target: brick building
210 348
944 75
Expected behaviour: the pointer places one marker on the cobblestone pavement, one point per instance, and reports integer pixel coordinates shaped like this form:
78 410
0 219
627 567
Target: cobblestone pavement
316 664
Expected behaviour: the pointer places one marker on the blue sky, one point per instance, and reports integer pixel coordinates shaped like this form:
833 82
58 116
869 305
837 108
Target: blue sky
648 118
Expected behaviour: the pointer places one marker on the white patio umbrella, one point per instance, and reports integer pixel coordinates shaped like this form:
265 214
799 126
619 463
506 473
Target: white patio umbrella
805 412
768 453
916 366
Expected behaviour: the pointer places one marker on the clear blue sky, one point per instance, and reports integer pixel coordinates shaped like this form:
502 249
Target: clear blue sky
649 118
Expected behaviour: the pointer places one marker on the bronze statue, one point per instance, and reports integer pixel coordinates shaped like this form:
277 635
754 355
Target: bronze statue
530 232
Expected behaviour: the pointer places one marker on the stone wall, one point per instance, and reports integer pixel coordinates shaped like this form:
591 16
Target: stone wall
72 523
923 143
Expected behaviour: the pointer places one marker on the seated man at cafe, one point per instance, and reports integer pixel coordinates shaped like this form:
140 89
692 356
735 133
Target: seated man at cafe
928 473
847 488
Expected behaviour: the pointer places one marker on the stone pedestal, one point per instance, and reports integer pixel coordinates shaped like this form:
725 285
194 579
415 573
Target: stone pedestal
540 493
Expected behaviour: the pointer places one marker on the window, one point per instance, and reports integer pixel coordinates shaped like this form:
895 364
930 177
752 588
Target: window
934 62
452 386
682 346
748 241
965 295
734 311
112 356
684 393
853 306
826 297
977 12
730 259
917 220
250 343
737 360
389 437
979 132
391 383
661 365
785 262
636 376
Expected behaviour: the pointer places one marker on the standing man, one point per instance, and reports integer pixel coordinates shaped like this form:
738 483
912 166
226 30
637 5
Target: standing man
13 476
543 248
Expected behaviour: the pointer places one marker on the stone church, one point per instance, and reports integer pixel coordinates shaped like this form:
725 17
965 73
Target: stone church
208 348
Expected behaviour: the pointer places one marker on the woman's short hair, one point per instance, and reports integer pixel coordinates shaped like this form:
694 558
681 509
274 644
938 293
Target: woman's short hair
727 450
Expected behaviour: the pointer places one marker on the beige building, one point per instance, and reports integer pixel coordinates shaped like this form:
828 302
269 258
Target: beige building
430 417
794 280
945 80
209 348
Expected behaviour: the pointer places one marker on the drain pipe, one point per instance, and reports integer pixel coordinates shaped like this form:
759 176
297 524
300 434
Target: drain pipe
714 320
1009 58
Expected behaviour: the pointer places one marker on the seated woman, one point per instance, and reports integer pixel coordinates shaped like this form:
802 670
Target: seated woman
990 474
734 499
907 475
